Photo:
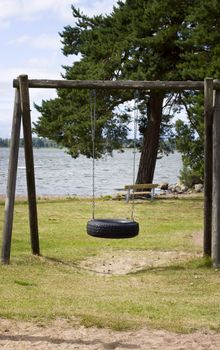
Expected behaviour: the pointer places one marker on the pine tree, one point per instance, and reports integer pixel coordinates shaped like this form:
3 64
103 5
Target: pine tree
200 44
139 40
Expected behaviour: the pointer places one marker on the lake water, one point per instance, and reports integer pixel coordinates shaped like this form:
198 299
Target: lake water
57 173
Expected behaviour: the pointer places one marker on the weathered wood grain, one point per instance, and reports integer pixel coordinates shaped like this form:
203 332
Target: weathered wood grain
208 165
29 160
11 181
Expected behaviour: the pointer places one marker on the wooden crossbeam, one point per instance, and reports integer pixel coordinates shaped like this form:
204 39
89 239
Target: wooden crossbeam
22 107
118 84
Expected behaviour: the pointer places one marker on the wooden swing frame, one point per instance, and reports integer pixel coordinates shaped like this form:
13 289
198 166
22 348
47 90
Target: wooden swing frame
211 88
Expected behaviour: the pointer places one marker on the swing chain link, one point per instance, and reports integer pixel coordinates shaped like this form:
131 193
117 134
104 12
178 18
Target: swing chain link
93 127
93 130
135 124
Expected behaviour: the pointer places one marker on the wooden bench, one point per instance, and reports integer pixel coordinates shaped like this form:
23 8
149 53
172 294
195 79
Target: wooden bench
140 189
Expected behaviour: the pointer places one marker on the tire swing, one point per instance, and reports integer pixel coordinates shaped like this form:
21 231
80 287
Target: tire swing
110 228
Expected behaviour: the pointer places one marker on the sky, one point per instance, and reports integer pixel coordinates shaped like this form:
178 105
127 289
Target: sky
30 44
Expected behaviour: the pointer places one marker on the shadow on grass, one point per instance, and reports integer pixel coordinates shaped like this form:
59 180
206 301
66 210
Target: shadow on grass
59 261
157 269
194 264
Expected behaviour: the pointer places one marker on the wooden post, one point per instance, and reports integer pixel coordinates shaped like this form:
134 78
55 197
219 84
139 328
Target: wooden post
11 182
208 106
216 183
29 160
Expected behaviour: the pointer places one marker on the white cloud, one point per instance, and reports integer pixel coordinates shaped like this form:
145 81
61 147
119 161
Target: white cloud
42 41
4 24
45 41
20 40
36 95
37 51
8 8
22 9
94 7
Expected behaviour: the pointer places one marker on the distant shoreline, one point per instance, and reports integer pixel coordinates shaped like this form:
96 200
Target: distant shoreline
57 173
107 197
37 147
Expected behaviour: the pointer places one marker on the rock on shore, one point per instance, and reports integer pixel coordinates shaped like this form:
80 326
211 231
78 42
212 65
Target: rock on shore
180 188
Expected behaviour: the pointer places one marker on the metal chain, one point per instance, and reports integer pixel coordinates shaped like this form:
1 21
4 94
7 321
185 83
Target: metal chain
93 122
93 128
135 121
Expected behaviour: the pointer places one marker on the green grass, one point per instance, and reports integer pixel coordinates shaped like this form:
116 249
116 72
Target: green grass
182 297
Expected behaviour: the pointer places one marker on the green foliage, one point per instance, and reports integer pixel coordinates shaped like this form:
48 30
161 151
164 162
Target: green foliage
69 124
190 140
4 142
200 42
190 176
200 45
40 142
137 41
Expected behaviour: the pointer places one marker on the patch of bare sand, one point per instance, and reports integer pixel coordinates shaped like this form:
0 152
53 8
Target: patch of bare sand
120 262
198 238
63 336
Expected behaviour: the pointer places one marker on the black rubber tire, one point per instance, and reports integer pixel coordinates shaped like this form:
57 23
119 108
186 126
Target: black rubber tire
112 228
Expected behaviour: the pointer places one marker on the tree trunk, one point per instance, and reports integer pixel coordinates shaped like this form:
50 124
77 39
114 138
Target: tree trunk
151 139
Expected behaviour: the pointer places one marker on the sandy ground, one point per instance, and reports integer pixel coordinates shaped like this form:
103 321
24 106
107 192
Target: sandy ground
61 335
121 262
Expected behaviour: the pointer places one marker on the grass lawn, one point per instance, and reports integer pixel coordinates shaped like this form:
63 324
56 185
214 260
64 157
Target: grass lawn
179 296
